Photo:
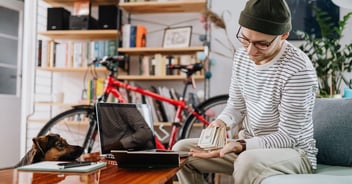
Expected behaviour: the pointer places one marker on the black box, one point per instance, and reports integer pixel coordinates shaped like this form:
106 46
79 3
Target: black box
108 17
83 22
57 19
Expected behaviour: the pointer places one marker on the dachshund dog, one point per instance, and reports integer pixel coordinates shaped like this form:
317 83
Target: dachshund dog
50 147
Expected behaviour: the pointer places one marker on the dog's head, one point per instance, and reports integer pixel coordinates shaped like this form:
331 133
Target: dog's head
52 147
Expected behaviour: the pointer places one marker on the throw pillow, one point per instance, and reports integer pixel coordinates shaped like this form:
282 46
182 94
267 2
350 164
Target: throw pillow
332 120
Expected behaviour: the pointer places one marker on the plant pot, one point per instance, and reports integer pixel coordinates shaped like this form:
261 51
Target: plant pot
347 93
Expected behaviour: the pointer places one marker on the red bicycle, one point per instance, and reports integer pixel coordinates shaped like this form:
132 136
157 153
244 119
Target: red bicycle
78 124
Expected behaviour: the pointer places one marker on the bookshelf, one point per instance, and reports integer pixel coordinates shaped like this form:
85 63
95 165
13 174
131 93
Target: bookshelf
149 7
76 75
136 10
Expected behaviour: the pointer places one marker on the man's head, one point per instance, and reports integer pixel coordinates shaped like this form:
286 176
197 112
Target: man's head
272 17
264 26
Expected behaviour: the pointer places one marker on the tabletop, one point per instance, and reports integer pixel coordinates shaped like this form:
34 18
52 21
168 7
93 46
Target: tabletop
108 174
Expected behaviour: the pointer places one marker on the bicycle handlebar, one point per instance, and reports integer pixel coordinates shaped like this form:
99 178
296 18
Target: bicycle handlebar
188 69
191 67
107 60
111 63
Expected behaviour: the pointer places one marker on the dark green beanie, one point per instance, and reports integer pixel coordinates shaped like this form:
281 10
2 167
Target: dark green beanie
271 17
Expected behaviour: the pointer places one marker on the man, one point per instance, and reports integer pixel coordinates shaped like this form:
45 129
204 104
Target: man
272 95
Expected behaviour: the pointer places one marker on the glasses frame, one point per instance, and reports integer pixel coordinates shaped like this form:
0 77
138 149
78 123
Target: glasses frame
239 38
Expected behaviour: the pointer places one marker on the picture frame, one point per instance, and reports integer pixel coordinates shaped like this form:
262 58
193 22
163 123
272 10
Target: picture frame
177 37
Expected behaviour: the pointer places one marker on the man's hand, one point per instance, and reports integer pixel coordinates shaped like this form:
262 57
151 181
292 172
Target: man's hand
231 146
217 123
205 153
235 147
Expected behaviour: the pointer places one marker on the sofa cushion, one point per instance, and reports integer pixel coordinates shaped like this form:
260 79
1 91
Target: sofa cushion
307 179
332 119
325 174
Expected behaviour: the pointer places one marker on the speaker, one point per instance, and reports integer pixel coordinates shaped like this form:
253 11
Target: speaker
83 22
108 17
57 19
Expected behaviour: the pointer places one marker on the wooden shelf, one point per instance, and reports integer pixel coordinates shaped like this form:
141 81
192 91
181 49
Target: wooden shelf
155 78
72 123
55 69
60 104
143 7
154 50
81 34
122 77
67 3
164 7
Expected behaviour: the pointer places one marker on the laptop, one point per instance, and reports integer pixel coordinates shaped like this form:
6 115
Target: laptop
147 159
110 123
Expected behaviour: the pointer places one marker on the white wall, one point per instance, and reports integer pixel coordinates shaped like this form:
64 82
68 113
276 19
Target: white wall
221 65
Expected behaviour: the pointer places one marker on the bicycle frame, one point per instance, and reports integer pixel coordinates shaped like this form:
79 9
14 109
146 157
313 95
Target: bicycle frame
112 86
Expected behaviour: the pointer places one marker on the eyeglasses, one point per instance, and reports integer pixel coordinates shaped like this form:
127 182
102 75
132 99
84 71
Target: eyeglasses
261 45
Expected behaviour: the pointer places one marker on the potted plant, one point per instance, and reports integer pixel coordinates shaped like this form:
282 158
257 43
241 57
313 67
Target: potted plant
330 58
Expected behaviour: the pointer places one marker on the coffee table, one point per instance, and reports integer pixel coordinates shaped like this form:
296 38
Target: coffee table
109 174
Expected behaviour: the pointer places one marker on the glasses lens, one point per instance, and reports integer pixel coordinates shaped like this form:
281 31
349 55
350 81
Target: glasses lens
261 45
243 41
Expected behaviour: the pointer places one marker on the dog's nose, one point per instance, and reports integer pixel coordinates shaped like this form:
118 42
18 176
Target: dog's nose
79 149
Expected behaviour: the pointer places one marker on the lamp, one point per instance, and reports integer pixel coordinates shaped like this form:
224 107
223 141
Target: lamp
343 3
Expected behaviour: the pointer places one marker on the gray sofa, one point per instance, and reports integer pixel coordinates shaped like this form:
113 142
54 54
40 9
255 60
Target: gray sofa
332 120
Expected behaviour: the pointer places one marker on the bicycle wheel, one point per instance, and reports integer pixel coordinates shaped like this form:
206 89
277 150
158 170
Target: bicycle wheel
77 126
210 109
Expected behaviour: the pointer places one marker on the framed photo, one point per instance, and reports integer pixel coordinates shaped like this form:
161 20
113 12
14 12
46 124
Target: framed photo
177 37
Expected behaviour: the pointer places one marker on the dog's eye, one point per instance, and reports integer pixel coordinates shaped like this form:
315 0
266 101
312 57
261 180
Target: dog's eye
60 146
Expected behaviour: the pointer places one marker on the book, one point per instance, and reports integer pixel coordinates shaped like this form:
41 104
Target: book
39 57
133 33
141 36
212 138
54 166
126 34
52 53
170 110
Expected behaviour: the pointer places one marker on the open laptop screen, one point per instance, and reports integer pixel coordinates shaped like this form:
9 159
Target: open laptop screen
124 123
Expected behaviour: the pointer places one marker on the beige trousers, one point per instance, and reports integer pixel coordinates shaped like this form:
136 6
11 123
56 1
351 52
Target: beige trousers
250 167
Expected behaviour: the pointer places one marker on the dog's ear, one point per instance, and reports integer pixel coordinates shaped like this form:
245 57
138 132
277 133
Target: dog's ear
43 143
39 143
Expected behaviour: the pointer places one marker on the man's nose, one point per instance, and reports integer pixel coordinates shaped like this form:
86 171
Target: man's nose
251 49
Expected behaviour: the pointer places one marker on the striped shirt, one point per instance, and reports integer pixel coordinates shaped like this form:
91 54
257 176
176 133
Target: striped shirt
274 101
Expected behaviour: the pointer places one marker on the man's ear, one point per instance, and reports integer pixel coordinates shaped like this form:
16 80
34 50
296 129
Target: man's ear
285 36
